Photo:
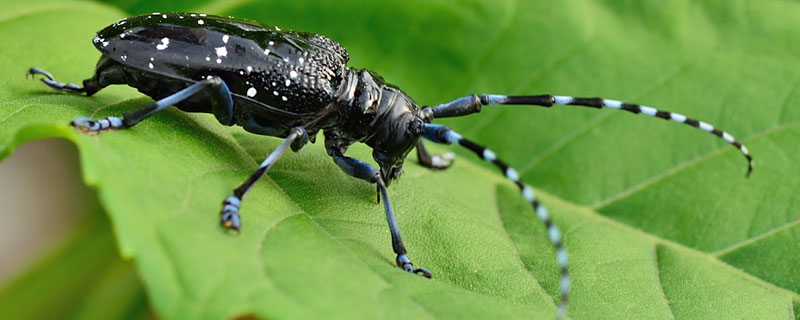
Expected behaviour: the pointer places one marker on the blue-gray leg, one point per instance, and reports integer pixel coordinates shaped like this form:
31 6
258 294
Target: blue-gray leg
363 171
231 218
214 83
434 162
51 82
445 135
214 86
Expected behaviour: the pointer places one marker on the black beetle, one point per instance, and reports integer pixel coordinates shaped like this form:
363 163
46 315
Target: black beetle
292 85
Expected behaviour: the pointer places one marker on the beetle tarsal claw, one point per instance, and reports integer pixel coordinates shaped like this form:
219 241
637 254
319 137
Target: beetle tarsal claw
230 219
443 161
93 127
405 263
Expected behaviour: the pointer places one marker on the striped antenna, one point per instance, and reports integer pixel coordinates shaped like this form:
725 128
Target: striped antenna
445 135
473 103
548 101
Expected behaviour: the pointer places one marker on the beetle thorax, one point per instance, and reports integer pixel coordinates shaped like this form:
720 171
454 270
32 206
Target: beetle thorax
377 114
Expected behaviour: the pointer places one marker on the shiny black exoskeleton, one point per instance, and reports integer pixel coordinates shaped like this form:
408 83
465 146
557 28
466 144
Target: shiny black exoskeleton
278 80
292 85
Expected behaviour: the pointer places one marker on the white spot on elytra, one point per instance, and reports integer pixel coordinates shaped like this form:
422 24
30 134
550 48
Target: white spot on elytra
225 38
249 69
180 17
151 59
286 59
241 72
251 92
202 14
124 57
272 43
301 60
122 35
164 16
277 29
105 43
208 58
221 51
219 60
200 22
275 92
288 82
284 98
274 84
193 15
150 65
292 74
266 51
163 45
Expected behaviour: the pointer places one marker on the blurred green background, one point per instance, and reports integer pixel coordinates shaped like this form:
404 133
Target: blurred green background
659 219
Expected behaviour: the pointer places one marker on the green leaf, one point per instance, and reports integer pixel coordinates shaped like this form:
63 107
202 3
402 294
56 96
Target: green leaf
658 218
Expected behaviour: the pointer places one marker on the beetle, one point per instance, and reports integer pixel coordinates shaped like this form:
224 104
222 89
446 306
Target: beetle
292 85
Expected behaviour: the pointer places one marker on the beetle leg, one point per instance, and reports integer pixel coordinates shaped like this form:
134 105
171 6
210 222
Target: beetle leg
221 102
358 169
230 207
473 104
51 82
132 118
434 162
445 135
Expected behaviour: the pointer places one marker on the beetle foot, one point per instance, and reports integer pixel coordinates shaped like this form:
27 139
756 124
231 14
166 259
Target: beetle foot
405 263
51 82
442 161
230 214
93 127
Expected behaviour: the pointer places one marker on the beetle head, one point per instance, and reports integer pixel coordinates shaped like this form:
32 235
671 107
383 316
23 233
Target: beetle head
399 131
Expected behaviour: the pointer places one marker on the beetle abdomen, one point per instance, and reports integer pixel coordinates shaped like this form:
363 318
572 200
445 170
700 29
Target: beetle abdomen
291 71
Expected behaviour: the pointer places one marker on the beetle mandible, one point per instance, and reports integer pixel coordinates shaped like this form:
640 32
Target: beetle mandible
291 85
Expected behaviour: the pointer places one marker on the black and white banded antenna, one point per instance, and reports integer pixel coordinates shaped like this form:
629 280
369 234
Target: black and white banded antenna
441 134
472 104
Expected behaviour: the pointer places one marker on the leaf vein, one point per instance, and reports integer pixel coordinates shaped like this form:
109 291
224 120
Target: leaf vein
686 165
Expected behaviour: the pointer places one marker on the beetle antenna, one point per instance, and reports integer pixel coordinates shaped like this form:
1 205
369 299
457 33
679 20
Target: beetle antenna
473 104
445 135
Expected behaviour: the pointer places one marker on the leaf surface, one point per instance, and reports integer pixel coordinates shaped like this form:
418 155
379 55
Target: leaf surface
658 218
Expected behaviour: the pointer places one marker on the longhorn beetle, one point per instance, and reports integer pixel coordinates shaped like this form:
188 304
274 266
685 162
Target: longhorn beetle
291 85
